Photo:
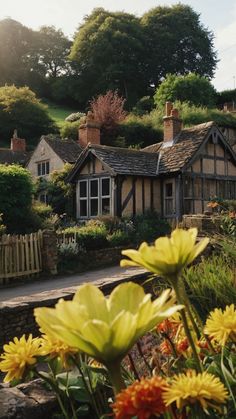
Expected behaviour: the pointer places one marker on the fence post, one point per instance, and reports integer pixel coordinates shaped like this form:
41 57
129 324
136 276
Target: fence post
49 252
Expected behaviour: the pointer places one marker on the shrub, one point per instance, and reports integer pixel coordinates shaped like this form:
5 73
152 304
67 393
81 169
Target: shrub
90 237
118 238
2 226
138 131
16 189
70 130
190 88
19 108
44 211
210 284
149 226
75 116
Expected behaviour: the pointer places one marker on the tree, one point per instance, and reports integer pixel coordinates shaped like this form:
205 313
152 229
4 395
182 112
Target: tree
109 51
177 43
108 110
191 88
53 50
17 53
16 189
19 108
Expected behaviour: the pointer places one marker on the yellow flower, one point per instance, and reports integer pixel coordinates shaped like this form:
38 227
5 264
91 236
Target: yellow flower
105 328
57 349
18 356
169 255
193 387
221 325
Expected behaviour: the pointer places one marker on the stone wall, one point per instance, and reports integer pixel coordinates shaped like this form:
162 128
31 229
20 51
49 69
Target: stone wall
204 223
17 315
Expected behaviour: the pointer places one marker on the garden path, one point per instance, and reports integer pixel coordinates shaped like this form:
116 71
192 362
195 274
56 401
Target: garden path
108 274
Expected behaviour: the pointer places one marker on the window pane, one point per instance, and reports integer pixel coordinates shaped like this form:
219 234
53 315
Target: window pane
83 208
169 189
93 207
43 168
39 169
105 206
105 187
83 189
94 187
47 168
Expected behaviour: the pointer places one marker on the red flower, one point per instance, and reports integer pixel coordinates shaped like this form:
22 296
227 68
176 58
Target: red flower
142 399
182 345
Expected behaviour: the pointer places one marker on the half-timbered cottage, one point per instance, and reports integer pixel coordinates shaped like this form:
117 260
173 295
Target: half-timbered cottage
175 177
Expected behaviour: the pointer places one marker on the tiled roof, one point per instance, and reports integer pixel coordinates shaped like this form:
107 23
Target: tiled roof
153 160
67 150
121 161
9 156
127 161
186 144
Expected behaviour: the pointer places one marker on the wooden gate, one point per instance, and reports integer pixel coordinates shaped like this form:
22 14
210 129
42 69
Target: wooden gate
20 254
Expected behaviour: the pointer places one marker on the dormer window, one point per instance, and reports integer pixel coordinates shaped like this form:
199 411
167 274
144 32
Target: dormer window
43 168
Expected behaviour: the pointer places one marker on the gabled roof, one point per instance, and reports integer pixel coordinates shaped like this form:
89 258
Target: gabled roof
67 150
185 145
154 160
8 156
122 161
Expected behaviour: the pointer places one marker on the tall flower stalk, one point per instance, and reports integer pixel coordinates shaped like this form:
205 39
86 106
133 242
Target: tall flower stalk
167 258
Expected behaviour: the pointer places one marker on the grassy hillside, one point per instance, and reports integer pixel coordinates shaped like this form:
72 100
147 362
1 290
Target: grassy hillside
59 112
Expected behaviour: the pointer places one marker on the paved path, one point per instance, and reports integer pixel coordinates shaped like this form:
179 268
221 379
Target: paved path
36 286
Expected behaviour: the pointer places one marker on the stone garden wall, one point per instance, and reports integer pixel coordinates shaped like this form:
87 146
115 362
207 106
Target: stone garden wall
16 315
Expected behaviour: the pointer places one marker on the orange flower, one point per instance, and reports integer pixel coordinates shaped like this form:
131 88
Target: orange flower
165 348
168 327
212 204
142 399
182 345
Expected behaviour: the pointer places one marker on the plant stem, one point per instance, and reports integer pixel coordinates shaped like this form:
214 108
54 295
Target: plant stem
181 300
90 393
117 381
54 386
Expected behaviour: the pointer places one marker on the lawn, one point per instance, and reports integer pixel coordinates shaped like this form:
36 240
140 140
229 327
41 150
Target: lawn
59 112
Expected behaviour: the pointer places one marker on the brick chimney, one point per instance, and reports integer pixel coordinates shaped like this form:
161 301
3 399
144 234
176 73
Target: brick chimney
17 144
89 132
172 122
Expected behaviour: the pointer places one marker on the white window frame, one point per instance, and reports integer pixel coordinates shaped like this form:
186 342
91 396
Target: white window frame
40 165
98 197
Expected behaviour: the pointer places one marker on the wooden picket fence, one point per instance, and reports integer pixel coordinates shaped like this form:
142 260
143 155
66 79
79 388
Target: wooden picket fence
20 254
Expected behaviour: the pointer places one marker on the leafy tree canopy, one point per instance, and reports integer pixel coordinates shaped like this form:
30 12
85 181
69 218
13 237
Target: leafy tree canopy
191 88
53 50
17 53
177 43
109 51
19 108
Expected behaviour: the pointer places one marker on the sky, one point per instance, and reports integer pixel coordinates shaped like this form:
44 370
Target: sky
217 16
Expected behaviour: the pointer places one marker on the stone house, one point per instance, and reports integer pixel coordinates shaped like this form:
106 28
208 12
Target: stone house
175 177
51 154
16 154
